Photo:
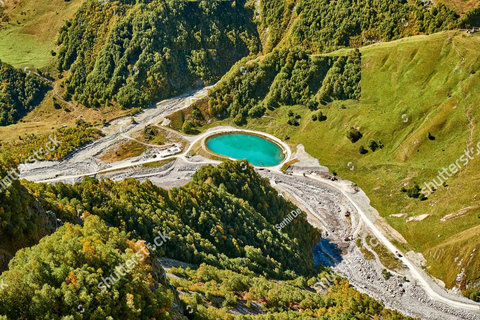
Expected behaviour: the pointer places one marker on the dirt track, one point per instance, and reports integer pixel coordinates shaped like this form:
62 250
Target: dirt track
325 205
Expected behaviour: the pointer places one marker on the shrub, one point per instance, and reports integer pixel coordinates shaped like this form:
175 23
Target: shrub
415 192
354 135
187 127
321 116
386 274
312 104
373 145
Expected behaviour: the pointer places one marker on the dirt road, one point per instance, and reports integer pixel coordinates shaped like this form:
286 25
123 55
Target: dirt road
324 200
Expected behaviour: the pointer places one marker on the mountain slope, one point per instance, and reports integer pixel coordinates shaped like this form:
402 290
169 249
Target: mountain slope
224 217
62 276
418 100
29 29
20 92
148 51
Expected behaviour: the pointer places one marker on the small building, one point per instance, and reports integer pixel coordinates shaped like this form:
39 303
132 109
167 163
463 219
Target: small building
171 151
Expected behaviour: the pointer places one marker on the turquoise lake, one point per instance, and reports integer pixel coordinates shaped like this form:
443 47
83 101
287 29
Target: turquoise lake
258 151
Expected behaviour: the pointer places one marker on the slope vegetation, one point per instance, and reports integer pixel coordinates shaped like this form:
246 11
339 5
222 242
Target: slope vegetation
224 218
29 29
135 54
323 26
20 92
416 115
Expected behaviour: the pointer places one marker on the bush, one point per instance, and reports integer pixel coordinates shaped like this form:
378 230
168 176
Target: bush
321 116
238 120
257 111
312 104
354 135
187 127
415 192
373 145
386 274
230 300
293 122
362 150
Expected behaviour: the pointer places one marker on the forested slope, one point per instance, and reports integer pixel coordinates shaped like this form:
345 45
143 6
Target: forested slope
20 92
23 220
224 217
323 25
59 278
135 53
223 220
285 77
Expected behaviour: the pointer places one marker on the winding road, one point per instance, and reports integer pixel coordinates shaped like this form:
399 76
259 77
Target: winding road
84 158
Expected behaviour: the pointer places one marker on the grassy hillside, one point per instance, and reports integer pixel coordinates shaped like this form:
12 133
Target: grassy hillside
409 88
460 6
29 29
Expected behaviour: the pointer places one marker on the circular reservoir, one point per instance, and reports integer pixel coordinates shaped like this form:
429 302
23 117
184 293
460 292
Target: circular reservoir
258 151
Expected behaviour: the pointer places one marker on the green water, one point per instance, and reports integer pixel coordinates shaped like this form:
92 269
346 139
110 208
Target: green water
258 151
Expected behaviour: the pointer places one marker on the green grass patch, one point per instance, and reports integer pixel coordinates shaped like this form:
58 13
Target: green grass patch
28 37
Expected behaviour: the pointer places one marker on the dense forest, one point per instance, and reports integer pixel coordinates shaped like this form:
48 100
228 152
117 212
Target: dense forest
285 77
137 53
323 25
20 92
225 217
222 220
58 278
23 221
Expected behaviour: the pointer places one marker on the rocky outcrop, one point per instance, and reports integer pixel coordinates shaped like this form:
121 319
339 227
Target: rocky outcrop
159 273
